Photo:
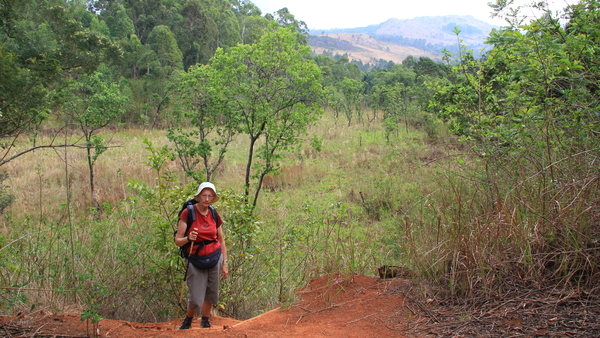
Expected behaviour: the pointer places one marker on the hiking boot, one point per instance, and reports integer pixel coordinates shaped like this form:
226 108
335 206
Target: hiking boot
186 324
205 323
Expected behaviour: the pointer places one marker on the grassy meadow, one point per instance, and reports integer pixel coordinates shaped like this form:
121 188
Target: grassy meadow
353 205
340 209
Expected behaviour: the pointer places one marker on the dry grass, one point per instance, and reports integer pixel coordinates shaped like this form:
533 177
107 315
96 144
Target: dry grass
39 180
313 205
356 205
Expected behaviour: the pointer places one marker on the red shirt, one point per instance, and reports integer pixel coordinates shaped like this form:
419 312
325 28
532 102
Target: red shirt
206 227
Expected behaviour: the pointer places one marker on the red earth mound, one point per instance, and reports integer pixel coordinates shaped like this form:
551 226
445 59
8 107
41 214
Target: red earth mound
330 306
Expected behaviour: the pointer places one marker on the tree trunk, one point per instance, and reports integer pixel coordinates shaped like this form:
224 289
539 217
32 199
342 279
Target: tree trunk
248 167
91 169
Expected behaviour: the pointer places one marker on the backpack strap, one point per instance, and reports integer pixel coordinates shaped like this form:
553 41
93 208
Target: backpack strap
191 216
215 215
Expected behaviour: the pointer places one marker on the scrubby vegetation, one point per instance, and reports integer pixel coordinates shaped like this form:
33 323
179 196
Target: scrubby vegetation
478 175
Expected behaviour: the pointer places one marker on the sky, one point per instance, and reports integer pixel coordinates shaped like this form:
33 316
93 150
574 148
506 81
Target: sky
328 14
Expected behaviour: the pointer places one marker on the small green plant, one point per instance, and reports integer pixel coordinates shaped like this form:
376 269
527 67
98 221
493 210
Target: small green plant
94 292
91 318
317 143
16 297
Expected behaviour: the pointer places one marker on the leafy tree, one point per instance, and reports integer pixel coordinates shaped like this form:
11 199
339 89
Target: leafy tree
198 34
352 91
376 99
146 14
326 63
252 24
253 28
227 23
215 123
42 45
99 26
169 62
397 100
120 26
344 69
409 62
94 104
335 100
467 103
398 74
163 43
427 67
288 20
137 58
276 90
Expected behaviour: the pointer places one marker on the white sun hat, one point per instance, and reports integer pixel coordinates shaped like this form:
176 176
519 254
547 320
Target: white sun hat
208 185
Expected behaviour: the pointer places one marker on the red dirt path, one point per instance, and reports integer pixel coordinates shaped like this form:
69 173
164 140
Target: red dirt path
330 306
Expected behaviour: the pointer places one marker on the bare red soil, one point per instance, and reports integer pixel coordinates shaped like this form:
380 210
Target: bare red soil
361 306
331 306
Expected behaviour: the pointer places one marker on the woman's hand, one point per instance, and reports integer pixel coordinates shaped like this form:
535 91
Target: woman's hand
224 271
193 236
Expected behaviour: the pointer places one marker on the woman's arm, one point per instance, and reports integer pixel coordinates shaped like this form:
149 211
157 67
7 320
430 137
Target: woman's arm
225 270
180 238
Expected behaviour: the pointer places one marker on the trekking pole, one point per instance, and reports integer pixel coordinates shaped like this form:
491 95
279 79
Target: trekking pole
181 291
187 266
192 242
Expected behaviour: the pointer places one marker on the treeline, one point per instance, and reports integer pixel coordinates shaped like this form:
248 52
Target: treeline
138 45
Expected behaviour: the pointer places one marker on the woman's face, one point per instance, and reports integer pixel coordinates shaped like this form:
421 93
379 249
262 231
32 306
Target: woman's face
206 197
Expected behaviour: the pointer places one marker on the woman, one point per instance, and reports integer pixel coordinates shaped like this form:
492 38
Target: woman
205 236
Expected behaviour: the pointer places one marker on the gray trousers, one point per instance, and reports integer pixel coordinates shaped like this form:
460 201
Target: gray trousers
203 285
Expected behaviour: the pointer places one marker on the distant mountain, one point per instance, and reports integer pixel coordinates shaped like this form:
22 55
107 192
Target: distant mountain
364 48
393 39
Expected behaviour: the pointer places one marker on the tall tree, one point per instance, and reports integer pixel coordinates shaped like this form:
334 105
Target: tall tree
288 20
163 43
120 26
276 90
197 36
227 23
352 90
165 69
137 58
93 105
41 45
214 123
252 23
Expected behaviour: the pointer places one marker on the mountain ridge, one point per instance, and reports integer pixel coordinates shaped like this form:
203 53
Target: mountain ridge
397 38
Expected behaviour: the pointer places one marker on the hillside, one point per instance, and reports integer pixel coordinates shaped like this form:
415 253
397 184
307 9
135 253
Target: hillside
438 30
365 48
395 39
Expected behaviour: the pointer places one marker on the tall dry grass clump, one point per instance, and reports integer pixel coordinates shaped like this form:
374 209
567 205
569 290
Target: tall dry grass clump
494 224
58 255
